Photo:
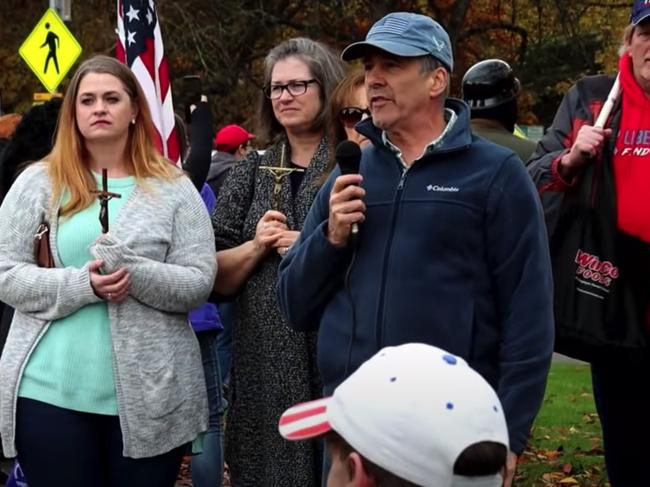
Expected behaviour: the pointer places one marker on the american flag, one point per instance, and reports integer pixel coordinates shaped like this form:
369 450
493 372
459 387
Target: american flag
140 47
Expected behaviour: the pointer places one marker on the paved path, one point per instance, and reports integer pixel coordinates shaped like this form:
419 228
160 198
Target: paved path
567 360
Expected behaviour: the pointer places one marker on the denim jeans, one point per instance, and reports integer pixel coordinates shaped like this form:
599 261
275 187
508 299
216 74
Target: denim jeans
227 313
58 446
207 467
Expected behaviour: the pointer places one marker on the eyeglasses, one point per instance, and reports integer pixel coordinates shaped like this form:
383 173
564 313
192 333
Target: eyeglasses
295 88
350 116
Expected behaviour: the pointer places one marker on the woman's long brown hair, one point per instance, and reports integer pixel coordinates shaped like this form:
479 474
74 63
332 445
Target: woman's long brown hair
67 161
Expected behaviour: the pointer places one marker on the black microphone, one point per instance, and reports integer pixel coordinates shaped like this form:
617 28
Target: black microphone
348 157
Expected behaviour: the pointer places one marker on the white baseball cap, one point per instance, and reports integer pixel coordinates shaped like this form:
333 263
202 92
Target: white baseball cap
411 410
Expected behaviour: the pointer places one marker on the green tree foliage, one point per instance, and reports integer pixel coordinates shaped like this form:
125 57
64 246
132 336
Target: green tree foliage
550 43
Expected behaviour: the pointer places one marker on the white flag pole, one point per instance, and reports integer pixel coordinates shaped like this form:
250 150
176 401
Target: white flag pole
609 104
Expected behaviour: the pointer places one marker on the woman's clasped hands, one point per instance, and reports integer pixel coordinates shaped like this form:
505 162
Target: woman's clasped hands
272 233
113 287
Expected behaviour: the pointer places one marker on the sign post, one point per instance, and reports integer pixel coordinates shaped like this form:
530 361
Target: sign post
50 50
63 8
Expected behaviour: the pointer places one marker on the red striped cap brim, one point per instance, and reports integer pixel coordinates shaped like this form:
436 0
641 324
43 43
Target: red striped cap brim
306 420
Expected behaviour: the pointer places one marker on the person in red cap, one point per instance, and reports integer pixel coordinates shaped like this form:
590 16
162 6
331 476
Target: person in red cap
232 143
233 139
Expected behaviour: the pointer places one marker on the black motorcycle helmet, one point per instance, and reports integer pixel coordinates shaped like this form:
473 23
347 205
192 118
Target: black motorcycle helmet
489 83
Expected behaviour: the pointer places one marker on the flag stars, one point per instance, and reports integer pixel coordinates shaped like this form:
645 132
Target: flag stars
132 13
139 20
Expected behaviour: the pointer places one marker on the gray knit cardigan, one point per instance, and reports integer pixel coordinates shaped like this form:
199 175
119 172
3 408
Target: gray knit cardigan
163 236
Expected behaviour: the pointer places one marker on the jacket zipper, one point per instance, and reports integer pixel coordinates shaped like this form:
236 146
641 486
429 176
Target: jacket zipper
379 331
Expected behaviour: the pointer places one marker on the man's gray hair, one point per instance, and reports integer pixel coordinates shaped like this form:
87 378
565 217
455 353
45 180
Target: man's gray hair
628 32
428 64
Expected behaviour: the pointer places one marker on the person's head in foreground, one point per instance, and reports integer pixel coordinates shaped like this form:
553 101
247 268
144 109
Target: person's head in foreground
412 415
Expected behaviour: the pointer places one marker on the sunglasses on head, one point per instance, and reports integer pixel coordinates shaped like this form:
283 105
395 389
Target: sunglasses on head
350 116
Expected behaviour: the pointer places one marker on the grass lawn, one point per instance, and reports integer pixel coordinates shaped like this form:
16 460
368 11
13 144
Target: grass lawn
565 448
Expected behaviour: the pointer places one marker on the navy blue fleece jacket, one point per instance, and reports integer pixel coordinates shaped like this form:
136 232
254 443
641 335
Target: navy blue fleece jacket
453 252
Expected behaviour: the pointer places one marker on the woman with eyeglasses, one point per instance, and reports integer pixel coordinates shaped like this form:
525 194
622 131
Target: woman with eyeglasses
349 107
260 211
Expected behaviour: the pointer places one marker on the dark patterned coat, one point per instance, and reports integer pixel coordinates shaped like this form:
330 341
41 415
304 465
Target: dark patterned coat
273 366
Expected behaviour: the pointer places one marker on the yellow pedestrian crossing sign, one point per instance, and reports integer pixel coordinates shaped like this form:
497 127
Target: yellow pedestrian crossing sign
50 50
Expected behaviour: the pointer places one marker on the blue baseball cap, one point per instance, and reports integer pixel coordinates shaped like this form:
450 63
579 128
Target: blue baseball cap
408 35
640 11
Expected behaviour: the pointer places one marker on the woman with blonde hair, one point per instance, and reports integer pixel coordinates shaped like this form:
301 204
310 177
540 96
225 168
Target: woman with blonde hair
349 106
101 380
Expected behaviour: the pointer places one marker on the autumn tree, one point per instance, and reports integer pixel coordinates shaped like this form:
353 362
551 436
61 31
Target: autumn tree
550 43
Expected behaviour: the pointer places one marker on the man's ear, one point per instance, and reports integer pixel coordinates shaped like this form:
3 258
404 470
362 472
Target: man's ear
439 82
357 473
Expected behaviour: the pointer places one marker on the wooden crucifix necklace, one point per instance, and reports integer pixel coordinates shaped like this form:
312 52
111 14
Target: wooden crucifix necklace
278 174
104 196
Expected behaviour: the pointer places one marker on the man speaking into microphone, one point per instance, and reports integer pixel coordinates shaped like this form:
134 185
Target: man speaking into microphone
451 249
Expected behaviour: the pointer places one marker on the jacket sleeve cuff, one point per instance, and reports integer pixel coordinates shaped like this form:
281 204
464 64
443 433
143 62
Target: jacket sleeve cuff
328 249
85 291
559 183
111 251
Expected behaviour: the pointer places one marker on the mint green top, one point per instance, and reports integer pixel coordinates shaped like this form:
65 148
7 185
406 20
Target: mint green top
72 365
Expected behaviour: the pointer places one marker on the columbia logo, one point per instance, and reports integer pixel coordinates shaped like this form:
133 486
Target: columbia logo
443 189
